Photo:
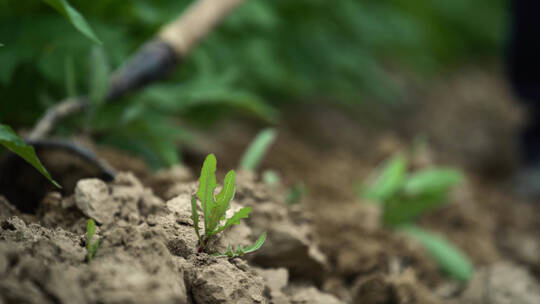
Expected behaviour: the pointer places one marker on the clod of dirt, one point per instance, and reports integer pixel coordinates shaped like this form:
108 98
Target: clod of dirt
310 295
503 283
165 179
291 243
280 292
402 288
213 280
92 198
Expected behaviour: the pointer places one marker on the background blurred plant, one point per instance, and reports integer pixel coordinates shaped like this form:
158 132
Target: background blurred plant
266 53
404 197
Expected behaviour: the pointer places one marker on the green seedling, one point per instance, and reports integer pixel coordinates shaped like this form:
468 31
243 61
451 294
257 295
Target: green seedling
405 197
91 248
243 250
257 150
214 208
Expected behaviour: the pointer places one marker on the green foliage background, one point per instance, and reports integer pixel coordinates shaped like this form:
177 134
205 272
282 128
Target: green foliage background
265 54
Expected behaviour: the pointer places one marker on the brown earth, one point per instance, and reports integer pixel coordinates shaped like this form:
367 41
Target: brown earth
329 248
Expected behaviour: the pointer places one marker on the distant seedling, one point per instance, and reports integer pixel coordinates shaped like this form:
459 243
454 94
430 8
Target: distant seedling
214 208
256 151
91 248
406 196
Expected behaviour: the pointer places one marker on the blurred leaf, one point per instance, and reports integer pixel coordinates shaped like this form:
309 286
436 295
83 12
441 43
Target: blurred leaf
99 75
78 21
10 140
271 178
388 181
71 81
432 180
295 194
403 209
449 257
257 149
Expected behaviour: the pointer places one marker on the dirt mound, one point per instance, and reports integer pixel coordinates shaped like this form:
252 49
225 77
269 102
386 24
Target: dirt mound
147 251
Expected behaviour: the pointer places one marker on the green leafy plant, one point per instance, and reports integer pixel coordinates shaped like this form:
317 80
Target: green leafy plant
405 197
214 208
274 62
256 151
91 248
10 140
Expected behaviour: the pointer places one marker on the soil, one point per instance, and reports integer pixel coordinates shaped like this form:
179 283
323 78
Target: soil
328 248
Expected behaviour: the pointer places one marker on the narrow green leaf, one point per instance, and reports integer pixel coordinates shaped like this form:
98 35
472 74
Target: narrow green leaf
70 78
235 219
99 75
90 230
222 201
432 180
10 140
257 150
207 185
389 180
229 188
404 209
195 216
73 16
94 248
451 259
260 241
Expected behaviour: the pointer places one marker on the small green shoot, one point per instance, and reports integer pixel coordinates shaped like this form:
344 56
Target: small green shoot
243 250
10 140
214 208
405 197
388 181
257 149
91 248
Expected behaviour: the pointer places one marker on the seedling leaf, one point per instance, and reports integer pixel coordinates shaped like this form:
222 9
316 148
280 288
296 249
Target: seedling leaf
207 185
10 140
432 180
90 230
260 241
241 251
257 149
73 16
222 201
91 248
405 209
235 219
450 258
195 216
388 181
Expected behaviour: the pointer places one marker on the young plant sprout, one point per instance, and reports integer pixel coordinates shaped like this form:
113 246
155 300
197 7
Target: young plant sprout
91 248
405 196
215 207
